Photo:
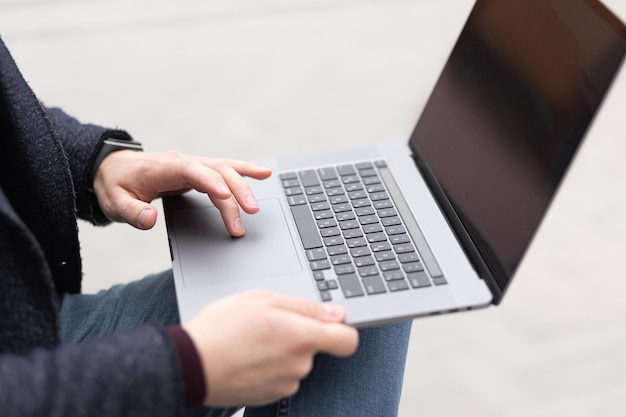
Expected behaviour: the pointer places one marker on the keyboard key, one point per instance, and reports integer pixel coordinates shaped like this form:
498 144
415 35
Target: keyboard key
355 243
374 285
372 228
332 284
333 241
345 215
360 251
293 191
382 204
380 246
398 239
384 256
363 202
341 259
367 271
297 200
349 224
387 212
319 265
320 206
363 165
413 267
365 220
350 179
375 188
395 230
364 261
339 208
338 199
355 195
337 250
391 221
389 265
371 180
331 231
291 183
325 296
318 275
399 285
352 233
368 173
393 275
332 184
344 170
323 214
408 257
344 269
350 286
334 191
379 196
404 248
308 178
355 186
327 173
324 223
322 285
306 227
316 254
419 280
313 190
288 176
316 198
365 211
376 237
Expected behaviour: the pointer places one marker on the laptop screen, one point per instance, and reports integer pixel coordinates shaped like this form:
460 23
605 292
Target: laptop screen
509 112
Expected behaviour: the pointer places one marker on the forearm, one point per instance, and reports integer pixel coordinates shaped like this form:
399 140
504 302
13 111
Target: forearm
131 373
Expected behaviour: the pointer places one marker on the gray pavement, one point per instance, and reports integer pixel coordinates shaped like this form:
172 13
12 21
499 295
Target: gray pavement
250 79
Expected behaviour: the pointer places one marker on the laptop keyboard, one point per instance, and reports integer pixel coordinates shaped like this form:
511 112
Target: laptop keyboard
355 238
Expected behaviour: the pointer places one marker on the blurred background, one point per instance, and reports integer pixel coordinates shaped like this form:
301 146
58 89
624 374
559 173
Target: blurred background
249 79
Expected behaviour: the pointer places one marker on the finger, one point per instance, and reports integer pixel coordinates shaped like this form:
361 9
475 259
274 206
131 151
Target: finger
135 212
337 339
311 309
231 216
233 172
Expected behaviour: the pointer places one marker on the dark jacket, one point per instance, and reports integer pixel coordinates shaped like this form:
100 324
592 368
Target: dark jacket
44 159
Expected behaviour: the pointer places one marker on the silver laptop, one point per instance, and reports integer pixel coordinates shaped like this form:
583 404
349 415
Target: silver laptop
397 231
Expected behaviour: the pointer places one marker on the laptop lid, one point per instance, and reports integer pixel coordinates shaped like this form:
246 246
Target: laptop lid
506 118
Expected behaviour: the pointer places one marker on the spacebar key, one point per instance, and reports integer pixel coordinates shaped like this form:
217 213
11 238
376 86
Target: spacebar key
306 227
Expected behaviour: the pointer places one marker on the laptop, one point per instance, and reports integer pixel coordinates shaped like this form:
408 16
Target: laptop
395 231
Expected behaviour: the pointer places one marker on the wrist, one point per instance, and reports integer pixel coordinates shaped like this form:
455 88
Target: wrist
193 375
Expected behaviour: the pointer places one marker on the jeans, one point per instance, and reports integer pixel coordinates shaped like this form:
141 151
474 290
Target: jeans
367 384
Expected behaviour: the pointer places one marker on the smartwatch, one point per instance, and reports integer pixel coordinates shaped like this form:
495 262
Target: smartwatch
108 146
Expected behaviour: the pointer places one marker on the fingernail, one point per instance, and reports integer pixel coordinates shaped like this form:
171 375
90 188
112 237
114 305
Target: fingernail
142 218
334 311
251 201
238 225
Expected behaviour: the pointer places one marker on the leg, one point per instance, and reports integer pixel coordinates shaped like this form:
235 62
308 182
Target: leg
366 384
151 299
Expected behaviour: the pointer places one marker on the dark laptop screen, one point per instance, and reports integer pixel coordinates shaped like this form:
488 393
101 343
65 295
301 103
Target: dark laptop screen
509 111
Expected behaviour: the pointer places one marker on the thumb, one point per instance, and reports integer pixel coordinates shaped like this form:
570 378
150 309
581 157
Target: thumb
315 310
135 212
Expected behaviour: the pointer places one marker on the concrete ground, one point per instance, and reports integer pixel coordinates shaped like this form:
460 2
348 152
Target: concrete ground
250 79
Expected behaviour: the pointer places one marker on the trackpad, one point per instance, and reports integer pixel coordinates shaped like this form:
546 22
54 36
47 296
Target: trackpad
209 255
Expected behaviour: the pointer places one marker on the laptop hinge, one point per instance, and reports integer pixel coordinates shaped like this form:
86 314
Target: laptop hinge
476 257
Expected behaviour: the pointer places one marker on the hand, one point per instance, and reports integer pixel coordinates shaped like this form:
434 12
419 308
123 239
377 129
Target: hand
256 347
127 181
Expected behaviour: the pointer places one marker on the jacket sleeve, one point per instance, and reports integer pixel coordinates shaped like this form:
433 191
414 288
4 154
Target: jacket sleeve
81 143
129 374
